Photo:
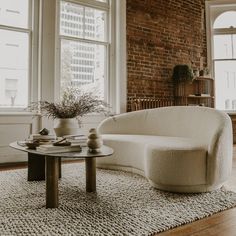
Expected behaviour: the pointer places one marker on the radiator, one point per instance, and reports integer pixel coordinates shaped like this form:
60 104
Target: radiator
148 103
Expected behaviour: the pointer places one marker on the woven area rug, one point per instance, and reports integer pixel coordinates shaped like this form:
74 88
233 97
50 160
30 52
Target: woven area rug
125 204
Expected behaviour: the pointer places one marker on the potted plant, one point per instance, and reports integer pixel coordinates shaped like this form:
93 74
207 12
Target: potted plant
182 73
68 112
205 71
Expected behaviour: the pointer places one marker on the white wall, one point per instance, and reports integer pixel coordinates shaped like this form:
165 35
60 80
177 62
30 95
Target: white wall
15 127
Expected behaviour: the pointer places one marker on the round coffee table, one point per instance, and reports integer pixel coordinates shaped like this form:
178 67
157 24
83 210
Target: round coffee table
51 164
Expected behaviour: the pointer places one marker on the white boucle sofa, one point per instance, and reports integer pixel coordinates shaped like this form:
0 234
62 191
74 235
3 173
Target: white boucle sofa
179 149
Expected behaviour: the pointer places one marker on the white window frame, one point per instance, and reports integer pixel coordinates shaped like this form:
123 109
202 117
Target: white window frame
33 31
116 71
214 9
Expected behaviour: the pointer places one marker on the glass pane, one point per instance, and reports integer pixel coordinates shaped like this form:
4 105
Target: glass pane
83 66
71 20
225 85
14 13
225 20
14 58
223 47
82 22
95 24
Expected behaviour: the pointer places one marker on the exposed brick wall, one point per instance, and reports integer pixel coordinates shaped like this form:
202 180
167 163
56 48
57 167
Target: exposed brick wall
161 34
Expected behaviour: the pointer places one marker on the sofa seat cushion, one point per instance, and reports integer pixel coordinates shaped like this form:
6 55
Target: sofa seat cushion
131 150
173 165
128 151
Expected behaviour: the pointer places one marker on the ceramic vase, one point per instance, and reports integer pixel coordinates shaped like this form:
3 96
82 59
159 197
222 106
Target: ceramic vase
69 126
94 141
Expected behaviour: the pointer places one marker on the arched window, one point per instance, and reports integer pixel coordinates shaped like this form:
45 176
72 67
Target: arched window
224 29
225 20
223 54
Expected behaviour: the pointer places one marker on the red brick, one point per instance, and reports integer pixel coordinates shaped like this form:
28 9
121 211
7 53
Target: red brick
161 34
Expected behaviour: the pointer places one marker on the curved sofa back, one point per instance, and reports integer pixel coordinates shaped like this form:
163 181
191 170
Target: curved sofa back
178 121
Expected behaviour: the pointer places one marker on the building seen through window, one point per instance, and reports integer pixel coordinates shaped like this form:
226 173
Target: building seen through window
83 40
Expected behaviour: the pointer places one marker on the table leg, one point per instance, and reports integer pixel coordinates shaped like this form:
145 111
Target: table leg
59 166
90 164
52 175
36 167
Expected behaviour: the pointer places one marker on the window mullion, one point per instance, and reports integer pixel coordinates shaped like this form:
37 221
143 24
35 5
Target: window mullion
83 40
12 28
30 13
83 22
30 65
91 3
231 59
224 31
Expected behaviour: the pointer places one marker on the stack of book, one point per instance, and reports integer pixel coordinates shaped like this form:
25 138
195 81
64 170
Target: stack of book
49 148
40 137
77 139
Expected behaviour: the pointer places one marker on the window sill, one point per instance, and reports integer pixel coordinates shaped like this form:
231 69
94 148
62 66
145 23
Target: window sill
230 112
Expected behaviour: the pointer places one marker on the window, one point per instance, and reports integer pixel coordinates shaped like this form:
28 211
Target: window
222 25
225 20
84 46
15 48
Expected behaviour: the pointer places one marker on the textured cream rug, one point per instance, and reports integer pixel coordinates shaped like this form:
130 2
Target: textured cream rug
125 204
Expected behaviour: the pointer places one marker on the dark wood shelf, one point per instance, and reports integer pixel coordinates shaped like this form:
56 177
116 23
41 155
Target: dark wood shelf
199 97
185 92
203 78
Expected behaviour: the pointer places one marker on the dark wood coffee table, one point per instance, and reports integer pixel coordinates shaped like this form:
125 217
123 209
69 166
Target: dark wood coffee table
48 166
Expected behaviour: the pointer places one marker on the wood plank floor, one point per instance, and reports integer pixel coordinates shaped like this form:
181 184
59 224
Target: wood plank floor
220 224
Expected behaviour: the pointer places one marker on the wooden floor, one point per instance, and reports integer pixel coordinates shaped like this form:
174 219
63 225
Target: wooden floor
220 224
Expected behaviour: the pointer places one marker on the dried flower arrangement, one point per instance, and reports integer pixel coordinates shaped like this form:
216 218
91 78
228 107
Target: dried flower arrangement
73 104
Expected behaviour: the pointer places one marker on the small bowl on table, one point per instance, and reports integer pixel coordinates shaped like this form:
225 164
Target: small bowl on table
32 144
